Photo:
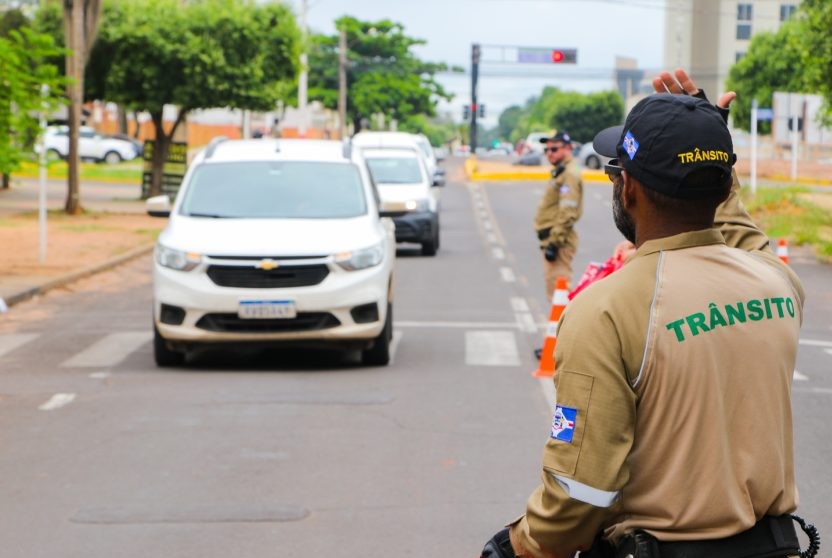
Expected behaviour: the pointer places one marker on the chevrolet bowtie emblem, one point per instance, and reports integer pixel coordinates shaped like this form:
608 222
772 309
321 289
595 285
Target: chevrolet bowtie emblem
267 264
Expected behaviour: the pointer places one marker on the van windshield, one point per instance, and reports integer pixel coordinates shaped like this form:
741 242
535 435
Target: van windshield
275 190
395 170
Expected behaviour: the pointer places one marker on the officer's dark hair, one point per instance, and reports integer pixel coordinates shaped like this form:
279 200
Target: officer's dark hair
701 179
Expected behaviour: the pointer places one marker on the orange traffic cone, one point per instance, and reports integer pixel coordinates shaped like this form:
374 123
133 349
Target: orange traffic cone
783 250
546 369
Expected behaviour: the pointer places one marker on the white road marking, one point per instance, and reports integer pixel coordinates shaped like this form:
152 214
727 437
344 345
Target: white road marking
457 325
394 343
825 391
800 377
548 386
507 274
57 401
491 238
10 342
828 351
109 350
519 304
487 225
491 348
815 343
100 375
498 253
525 321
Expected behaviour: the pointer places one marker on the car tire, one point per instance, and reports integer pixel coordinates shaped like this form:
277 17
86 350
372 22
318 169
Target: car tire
432 246
593 162
379 353
162 354
112 157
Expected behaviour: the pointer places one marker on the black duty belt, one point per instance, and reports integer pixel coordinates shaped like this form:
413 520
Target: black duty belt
771 537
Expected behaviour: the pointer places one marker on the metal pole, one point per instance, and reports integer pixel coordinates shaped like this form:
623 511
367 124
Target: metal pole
794 147
754 146
342 81
303 77
44 92
475 66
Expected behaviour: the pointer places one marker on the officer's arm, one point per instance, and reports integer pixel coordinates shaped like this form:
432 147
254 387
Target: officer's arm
545 209
582 476
736 225
568 210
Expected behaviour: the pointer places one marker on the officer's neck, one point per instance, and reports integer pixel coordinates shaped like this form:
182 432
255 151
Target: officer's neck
654 226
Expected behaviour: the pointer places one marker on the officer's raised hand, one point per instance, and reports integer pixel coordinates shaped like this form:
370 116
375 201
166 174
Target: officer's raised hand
682 84
499 546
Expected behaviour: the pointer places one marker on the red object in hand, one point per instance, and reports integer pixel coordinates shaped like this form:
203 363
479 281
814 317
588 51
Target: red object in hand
595 271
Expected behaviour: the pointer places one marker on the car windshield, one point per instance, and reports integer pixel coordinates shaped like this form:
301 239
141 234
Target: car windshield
269 190
395 170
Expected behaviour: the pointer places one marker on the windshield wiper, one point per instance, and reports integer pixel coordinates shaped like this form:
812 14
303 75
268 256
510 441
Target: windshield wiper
208 215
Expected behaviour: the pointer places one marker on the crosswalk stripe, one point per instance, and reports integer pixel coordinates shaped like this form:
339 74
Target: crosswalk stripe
57 401
109 350
491 348
10 342
800 377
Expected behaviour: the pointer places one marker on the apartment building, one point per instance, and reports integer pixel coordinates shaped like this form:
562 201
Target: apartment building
707 37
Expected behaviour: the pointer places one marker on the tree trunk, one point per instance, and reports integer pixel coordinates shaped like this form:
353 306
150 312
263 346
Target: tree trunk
74 30
122 120
161 145
7 180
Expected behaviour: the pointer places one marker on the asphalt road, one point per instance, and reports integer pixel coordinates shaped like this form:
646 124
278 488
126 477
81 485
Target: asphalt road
296 454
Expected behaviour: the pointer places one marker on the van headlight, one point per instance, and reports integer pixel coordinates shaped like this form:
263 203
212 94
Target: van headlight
176 259
360 259
417 205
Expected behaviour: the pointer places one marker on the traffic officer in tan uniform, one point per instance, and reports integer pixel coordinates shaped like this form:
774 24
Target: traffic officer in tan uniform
558 211
672 431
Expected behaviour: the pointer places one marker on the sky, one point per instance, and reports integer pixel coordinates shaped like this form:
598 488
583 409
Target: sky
600 30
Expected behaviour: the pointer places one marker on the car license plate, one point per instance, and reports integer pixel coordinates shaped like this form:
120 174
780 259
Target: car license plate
266 309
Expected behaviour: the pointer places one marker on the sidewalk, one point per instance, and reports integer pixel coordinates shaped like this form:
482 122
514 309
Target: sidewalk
114 229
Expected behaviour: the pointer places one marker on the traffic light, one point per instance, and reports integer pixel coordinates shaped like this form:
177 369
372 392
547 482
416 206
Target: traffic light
481 111
564 56
466 112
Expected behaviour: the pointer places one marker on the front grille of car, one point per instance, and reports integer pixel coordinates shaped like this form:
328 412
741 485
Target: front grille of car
280 277
304 321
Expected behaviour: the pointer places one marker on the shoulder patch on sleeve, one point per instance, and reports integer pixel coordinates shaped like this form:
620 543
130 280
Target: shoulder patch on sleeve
563 423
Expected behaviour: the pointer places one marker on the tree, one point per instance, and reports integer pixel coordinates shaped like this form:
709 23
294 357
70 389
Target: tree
774 62
816 41
80 27
509 120
583 116
438 132
383 76
23 72
199 54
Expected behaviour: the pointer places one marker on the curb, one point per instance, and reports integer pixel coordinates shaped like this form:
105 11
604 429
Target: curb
475 175
74 276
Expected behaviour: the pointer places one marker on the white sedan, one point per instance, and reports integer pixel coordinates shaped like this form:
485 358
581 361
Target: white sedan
91 145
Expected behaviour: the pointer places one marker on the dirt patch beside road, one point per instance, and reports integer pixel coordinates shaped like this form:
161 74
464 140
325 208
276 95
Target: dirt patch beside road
73 242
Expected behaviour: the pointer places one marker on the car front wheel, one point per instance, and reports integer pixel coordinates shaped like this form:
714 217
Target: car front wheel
379 353
112 157
593 162
430 247
162 354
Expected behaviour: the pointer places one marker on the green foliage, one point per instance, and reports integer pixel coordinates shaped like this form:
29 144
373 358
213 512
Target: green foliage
22 73
12 20
774 62
817 49
383 75
508 121
200 54
582 115
438 132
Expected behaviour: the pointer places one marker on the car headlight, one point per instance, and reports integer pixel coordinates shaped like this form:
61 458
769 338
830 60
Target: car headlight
360 259
176 259
417 205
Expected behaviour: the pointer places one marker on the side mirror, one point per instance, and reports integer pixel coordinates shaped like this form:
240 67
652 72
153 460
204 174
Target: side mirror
439 177
158 206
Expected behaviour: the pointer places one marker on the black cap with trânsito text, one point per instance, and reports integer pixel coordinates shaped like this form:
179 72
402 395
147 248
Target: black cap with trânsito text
664 138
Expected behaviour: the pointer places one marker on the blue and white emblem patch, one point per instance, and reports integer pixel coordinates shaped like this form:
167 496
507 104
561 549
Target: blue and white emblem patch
563 423
630 145
564 189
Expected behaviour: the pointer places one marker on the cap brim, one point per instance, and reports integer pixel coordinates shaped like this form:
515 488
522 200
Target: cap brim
606 141
545 140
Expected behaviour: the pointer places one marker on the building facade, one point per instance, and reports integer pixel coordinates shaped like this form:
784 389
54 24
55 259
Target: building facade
707 37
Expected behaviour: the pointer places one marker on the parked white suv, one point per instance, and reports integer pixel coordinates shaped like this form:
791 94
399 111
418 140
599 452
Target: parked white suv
91 145
274 242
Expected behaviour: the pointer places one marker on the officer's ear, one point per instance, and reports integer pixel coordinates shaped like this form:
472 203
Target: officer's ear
628 189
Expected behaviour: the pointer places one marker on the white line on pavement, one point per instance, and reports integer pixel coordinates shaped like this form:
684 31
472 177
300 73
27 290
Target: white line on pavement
109 350
815 343
100 375
828 351
507 274
57 401
548 386
800 377
491 348
519 304
525 322
10 342
498 253
394 343
457 325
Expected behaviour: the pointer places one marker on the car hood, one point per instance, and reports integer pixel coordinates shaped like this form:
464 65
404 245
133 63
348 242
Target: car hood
270 237
395 195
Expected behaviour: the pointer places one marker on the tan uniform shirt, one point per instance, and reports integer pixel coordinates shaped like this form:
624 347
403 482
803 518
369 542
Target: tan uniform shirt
673 391
561 206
